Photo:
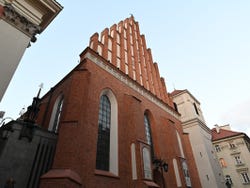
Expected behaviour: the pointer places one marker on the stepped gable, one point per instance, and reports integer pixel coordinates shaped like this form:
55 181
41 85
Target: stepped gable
124 47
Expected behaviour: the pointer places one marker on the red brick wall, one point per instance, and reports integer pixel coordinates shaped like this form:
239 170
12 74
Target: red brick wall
76 148
58 183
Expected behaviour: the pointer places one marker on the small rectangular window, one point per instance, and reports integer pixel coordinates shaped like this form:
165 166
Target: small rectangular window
228 180
207 177
175 107
196 109
232 145
217 148
245 178
238 160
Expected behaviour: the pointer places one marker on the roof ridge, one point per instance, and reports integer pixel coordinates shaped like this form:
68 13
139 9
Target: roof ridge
224 133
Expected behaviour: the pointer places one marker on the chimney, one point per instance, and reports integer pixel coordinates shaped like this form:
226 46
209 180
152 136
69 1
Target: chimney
217 127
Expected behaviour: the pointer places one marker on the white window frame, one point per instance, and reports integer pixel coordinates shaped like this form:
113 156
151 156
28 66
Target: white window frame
217 148
113 158
245 178
238 160
56 114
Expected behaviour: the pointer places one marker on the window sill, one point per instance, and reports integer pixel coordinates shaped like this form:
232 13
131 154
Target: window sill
238 165
246 183
105 173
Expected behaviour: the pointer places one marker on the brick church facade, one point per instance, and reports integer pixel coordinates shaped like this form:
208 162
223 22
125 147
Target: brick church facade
116 124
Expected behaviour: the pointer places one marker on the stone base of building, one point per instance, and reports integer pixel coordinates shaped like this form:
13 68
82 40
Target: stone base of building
60 178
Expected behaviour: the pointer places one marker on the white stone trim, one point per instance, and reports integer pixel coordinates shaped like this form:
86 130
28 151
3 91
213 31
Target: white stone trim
177 173
131 84
180 144
16 19
53 115
113 152
133 161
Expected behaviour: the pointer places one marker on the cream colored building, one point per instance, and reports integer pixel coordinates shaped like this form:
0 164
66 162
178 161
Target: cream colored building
193 122
20 21
233 151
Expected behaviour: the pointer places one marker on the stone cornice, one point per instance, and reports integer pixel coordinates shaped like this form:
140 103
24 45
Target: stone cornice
185 91
226 139
11 16
195 121
130 83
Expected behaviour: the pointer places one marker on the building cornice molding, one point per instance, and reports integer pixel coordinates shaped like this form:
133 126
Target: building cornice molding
186 91
11 16
130 83
193 122
34 16
229 138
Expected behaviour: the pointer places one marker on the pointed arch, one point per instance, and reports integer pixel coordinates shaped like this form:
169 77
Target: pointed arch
56 114
148 131
107 142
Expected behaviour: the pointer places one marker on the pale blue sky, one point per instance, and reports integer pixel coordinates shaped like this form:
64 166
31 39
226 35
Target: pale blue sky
202 46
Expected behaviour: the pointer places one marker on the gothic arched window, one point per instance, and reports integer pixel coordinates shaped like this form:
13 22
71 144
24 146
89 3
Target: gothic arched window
148 133
103 143
107 141
56 114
